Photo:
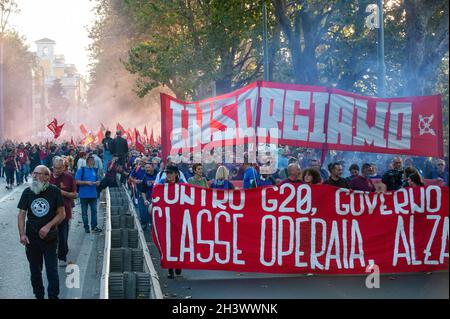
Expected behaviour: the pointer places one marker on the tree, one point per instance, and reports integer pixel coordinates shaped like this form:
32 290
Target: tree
188 44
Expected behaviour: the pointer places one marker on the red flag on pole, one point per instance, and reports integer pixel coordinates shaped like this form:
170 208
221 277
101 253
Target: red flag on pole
55 128
99 136
72 142
120 128
139 145
83 130
146 134
152 141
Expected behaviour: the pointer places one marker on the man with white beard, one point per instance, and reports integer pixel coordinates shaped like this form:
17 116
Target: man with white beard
43 206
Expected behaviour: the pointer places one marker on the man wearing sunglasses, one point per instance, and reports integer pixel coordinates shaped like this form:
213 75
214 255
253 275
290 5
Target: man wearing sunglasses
440 172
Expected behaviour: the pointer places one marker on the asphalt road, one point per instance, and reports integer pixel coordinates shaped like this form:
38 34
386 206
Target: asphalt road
85 251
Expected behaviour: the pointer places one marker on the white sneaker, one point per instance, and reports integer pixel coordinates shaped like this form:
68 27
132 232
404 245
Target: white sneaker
62 263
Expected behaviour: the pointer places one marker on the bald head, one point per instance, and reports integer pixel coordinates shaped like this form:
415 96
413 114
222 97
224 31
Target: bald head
293 171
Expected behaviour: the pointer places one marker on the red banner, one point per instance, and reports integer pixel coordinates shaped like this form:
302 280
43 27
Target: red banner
306 116
301 229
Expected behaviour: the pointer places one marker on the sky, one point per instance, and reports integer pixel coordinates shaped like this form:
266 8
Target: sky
64 21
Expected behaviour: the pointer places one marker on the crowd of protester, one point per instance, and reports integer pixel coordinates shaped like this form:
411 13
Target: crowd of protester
84 171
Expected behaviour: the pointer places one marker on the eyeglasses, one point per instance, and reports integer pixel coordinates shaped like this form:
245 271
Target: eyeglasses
37 173
440 164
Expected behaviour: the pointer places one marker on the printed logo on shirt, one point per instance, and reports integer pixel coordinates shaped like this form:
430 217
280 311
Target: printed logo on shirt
40 207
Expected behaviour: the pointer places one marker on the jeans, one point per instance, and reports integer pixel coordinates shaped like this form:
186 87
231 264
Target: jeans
63 235
143 212
2 169
92 202
26 170
9 176
38 251
106 160
19 176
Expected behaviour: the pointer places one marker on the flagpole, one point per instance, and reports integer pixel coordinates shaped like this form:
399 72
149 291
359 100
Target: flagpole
381 63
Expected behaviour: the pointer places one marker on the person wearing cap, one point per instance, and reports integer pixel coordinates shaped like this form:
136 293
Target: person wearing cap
172 178
160 178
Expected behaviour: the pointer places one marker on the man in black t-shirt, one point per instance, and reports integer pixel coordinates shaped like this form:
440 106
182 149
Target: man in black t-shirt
43 206
335 178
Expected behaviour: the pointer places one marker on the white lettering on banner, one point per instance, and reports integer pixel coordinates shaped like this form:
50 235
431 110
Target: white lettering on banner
298 252
405 109
404 201
263 241
291 120
398 205
241 200
177 127
281 237
195 131
299 115
236 250
220 242
297 196
314 254
176 194
334 242
184 198
356 235
401 239
438 197
206 122
272 202
341 115
199 236
168 237
186 229
366 134
344 243
271 99
320 101
427 251
250 98
383 208
411 242
400 233
444 241
414 207
222 118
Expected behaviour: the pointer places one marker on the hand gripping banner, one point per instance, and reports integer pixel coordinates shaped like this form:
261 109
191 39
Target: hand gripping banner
306 116
301 229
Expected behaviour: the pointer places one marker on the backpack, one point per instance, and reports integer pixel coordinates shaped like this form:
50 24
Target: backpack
82 176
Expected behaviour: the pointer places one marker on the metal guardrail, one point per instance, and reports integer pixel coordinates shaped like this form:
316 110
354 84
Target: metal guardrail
155 288
148 263
104 282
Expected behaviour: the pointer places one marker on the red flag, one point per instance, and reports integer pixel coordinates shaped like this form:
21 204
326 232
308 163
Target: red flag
55 128
139 145
83 130
129 139
120 128
99 136
158 140
72 142
132 137
146 140
152 141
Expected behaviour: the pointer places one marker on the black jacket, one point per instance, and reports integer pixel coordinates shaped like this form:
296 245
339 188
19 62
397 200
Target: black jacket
119 146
